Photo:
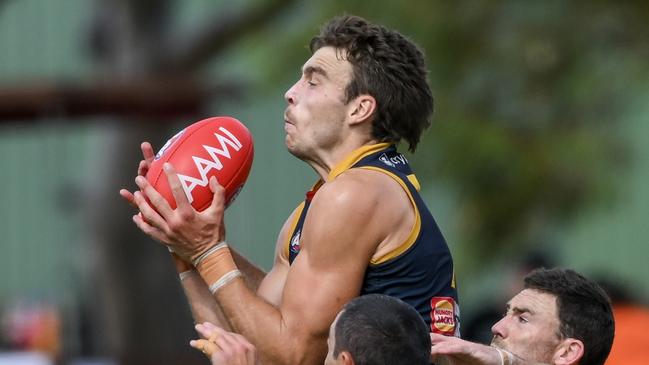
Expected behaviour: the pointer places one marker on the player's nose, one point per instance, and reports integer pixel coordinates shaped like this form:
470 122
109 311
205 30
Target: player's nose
499 329
289 95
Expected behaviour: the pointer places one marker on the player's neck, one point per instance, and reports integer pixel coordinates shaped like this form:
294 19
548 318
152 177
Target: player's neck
328 160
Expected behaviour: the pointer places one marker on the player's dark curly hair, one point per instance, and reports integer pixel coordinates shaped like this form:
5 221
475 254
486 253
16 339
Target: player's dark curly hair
380 330
584 310
387 66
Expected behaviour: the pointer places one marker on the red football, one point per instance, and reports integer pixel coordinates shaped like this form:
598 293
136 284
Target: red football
218 146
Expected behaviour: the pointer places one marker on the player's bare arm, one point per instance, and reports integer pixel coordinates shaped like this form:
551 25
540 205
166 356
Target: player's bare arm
339 238
454 351
327 273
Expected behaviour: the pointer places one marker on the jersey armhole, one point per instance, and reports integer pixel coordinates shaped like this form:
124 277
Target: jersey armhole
291 231
414 232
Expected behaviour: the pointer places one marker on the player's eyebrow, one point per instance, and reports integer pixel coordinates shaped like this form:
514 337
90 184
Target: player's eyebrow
309 70
519 310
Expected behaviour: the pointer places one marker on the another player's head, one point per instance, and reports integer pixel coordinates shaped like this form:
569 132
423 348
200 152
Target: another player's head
362 76
559 318
378 329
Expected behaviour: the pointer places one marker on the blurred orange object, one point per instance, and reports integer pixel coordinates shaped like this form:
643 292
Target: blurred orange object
34 328
631 343
47 339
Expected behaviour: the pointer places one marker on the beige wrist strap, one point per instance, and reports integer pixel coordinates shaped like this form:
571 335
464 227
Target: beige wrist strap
217 267
205 254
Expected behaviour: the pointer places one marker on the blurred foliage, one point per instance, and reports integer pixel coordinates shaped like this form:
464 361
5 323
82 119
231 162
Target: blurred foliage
527 98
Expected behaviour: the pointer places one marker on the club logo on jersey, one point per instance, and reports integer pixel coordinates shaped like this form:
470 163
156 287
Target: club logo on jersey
384 158
399 159
444 315
168 144
295 242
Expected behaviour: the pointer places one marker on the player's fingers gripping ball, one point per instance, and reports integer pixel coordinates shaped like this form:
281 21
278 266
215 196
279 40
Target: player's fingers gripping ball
219 146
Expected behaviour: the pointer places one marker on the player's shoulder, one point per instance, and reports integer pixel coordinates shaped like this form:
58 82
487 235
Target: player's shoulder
357 187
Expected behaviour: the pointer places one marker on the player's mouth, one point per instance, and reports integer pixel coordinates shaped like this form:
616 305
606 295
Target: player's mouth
286 118
288 123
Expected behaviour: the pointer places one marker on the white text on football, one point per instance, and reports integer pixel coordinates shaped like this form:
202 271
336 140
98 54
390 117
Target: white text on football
204 166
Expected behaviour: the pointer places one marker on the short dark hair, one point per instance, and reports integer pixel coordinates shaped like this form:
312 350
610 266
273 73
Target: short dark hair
387 66
381 330
583 307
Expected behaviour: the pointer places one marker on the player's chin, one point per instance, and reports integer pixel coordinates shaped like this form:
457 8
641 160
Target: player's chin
294 150
290 143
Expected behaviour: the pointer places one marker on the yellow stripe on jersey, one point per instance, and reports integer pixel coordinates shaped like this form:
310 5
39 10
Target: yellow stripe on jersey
354 157
414 233
413 180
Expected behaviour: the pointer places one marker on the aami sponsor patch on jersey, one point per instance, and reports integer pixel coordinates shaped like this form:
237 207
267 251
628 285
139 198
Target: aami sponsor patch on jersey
443 315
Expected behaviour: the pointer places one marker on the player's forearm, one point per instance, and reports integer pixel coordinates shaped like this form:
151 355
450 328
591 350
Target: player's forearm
252 273
277 341
201 302
452 350
509 358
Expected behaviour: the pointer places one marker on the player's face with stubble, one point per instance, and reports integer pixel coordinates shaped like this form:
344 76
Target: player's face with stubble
316 104
530 328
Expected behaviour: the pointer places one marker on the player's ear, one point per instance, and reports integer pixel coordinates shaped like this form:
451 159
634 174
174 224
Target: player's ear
361 108
346 358
568 352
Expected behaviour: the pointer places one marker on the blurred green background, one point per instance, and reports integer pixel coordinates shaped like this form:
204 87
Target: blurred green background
538 144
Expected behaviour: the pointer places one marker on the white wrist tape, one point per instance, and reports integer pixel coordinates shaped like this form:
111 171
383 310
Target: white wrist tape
502 357
506 357
202 257
185 274
224 280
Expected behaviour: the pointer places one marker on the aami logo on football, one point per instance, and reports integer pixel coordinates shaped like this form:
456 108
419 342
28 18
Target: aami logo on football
204 166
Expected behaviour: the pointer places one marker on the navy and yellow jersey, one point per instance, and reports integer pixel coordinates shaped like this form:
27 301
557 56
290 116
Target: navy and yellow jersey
420 270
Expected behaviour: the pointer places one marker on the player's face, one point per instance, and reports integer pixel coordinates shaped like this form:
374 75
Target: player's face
331 341
316 111
530 328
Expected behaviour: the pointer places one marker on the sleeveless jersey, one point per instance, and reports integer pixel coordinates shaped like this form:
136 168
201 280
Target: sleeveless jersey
420 270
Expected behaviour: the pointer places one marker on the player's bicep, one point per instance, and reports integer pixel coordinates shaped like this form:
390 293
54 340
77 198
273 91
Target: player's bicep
314 295
337 243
